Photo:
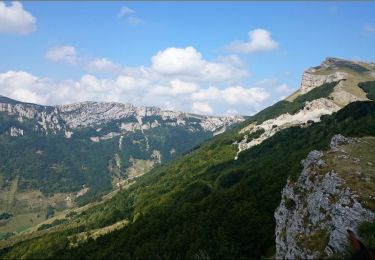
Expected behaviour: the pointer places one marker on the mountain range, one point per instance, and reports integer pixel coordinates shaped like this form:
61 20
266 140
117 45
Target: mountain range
284 183
57 157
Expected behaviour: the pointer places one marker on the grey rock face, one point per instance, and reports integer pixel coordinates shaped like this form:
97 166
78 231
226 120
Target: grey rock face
317 210
338 140
48 118
311 81
66 118
14 131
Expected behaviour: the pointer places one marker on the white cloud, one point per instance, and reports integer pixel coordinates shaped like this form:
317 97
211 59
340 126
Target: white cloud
128 14
124 11
232 60
369 29
174 88
179 87
102 65
260 40
131 83
202 108
172 61
177 94
16 20
189 64
178 78
241 96
68 54
210 93
186 64
23 86
63 53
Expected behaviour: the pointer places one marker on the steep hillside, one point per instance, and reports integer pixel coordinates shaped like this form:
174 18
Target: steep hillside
205 203
59 157
333 194
324 90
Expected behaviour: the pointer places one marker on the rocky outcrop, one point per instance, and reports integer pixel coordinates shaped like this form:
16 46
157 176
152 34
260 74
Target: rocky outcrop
317 209
14 131
311 80
311 112
96 113
346 73
129 118
47 118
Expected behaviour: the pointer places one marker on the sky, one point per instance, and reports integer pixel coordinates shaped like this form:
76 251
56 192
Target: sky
215 58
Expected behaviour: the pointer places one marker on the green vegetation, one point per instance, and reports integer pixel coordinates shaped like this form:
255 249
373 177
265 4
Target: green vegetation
6 235
367 233
5 215
50 212
54 223
357 170
203 203
290 204
369 88
317 241
37 170
55 164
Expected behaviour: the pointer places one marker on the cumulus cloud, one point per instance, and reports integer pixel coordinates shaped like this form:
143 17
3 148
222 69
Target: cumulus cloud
260 40
189 64
68 54
186 64
202 108
16 20
233 60
178 78
241 96
173 61
131 83
23 86
177 94
63 53
102 65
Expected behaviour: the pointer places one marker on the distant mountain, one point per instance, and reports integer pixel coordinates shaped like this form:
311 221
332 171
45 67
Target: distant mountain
58 156
220 200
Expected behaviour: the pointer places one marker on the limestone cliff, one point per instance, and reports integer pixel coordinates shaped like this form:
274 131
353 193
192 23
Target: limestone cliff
127 117
333 193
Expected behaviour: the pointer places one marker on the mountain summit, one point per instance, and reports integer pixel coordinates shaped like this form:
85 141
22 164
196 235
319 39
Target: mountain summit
324 89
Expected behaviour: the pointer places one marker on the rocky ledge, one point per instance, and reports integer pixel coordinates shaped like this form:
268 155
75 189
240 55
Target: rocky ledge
317 209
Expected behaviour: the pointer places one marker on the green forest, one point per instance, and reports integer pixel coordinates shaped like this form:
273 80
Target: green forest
203 204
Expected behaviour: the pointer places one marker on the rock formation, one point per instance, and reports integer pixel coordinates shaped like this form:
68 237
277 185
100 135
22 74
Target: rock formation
318 208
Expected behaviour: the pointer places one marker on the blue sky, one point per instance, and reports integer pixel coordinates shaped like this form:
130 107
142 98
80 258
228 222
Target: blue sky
190 56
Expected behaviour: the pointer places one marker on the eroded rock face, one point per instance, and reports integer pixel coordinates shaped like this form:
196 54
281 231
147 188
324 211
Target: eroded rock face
48 119
311 112
316 210
346 91
311 80
14 131
66 118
